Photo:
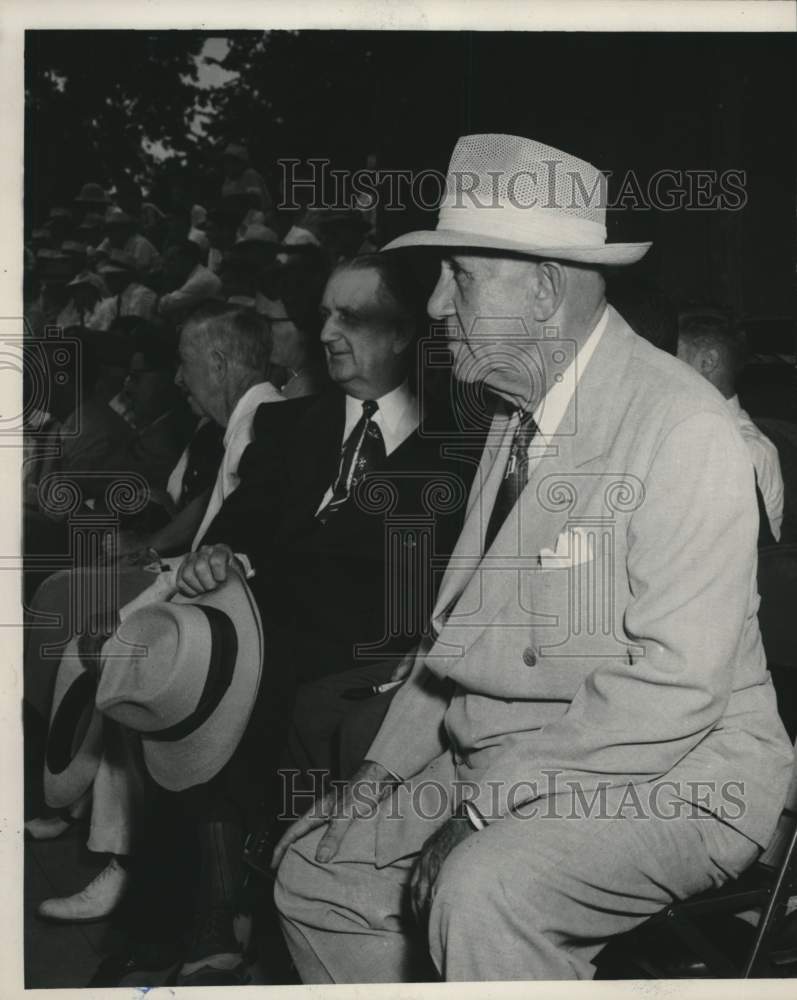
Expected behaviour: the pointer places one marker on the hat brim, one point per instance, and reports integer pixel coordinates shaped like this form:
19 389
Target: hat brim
615 254
198 757
73 704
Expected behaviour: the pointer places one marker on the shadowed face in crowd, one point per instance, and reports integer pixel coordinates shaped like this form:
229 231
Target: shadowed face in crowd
117 281
233 167
149 389
364 343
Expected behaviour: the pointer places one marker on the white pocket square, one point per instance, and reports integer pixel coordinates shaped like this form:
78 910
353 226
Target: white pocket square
574 546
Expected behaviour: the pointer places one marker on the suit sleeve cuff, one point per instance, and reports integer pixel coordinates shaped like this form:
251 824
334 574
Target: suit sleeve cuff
246 562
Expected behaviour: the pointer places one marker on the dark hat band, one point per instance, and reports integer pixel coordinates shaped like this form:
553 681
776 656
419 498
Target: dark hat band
78 699
221 668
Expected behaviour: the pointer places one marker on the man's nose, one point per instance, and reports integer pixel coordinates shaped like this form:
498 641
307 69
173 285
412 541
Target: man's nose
178 378
440 305
328 332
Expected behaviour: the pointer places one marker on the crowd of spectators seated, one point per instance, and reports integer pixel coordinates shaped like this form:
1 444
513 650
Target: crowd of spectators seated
179 334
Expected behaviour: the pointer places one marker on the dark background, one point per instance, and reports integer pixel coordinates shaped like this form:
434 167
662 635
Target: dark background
637 102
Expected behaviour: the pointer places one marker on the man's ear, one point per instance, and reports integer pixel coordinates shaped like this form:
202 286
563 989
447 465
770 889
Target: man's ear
402 341
217 363
549 290
709 360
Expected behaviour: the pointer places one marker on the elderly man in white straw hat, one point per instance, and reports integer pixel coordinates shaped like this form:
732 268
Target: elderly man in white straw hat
590 732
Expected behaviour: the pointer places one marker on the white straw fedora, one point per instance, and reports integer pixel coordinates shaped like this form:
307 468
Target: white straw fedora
184 674
504 192
74 739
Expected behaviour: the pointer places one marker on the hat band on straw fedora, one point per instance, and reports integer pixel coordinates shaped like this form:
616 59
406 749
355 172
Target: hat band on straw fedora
221 667
536 226
64 734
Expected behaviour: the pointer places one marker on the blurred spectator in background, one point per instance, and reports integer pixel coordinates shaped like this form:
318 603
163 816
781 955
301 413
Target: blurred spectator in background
121 234
91 198
40 239
60 224
221 229
709 341
128 296
295 320
248 262
77 253
341 234
197 234
241 178
88 290
153 223
91 230
186 280
55 270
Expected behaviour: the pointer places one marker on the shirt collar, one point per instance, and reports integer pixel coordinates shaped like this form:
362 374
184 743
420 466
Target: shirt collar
734 405
551 408
397 415
262 392
392 408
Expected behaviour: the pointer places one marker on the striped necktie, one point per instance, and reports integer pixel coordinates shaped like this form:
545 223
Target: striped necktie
515 477
364 450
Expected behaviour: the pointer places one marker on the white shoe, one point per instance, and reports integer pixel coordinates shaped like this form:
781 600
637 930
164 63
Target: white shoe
47 827
99 899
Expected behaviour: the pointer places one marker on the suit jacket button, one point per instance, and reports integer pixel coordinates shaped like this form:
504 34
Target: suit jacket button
529 657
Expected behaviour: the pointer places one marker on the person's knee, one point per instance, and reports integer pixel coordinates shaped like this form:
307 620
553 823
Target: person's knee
474 876
466 879
292 886
285 883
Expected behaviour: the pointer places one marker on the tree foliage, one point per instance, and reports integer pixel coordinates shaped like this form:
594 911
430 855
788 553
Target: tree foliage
93 97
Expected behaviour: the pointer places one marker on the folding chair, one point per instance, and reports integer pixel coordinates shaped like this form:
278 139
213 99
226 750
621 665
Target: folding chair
704 936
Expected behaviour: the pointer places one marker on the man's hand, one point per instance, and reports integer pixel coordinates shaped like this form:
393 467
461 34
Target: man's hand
204 570
356 799
429 862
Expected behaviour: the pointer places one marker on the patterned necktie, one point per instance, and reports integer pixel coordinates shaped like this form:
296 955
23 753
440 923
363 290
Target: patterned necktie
364 450
515 478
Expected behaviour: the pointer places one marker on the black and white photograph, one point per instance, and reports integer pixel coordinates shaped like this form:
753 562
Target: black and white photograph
401 582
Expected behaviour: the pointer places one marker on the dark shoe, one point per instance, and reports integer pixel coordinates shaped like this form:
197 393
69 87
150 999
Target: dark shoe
135 970
215 956
208 976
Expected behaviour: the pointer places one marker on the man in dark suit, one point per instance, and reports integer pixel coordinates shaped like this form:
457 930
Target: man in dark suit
347 511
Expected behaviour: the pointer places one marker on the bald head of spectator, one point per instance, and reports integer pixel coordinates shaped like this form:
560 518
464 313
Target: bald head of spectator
223 352
709 342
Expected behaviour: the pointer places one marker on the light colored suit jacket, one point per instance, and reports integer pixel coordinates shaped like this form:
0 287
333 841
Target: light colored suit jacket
610 633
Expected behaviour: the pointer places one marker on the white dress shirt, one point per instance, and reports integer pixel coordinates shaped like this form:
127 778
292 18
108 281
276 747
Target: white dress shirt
553 406
236 438
397 417
766 462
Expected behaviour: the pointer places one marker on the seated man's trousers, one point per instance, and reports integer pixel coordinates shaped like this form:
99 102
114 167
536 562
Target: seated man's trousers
524 898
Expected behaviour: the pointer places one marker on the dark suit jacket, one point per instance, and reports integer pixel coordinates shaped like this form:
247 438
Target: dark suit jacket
325 590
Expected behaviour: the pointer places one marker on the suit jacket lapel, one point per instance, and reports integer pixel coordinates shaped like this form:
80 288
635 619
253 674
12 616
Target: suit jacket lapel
315 460
554 489
466 554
